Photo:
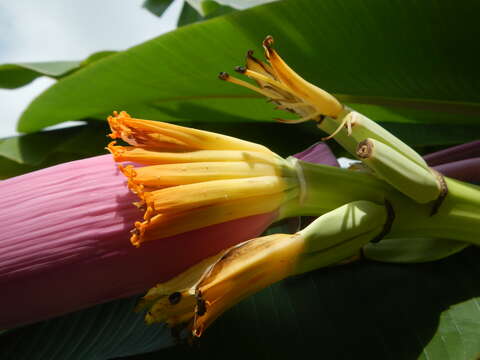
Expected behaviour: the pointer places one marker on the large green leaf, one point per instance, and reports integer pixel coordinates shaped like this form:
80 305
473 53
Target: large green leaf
9 168
20 74
399 59
34 148
98 333
26 153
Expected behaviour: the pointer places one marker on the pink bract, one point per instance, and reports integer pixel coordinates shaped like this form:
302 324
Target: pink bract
65 243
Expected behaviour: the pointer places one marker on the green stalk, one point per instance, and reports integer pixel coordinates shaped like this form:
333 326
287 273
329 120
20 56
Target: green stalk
362 128
342 224
458 218
413 180
327 188
339 234
418 237
333 255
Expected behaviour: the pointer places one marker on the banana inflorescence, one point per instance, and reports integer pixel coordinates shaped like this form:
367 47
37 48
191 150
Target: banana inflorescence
370 213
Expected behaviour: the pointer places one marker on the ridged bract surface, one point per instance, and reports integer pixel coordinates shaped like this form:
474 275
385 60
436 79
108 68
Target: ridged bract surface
64 243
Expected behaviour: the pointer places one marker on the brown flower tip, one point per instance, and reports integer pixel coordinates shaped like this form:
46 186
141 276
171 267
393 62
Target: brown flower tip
268 41
223 75
365 149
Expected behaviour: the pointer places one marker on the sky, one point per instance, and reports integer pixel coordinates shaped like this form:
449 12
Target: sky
50 30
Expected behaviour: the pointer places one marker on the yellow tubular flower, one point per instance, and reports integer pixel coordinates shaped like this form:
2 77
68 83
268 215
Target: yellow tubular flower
198 296
242 271
219 282
290 92
194 178
285 87
173 302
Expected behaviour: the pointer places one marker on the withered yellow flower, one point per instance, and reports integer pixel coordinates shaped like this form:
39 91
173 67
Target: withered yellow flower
278 82
201 294
242 271
194 178
198 296
284 87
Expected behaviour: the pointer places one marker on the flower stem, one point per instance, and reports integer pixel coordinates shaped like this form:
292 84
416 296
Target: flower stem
327 188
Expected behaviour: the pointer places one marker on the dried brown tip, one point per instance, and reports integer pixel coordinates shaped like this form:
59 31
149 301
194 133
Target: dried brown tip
254 59
268 42
365 149
251 57
223 75
240 69
443 191
267 46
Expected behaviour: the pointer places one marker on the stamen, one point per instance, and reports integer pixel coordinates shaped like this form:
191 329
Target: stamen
346 121
259 77
267 45
303 119
349 128
253 60
293 105
226 77
288 101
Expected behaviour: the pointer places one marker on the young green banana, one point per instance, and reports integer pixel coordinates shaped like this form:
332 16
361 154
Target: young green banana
413 180
341 233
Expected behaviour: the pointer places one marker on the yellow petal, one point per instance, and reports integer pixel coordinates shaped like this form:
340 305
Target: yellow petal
187 197
188 173
259 66
202 180
160 135
173 301
150 157
325 103
165 225
242 271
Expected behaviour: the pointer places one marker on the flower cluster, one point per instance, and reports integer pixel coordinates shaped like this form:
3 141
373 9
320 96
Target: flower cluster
283 86
191 178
